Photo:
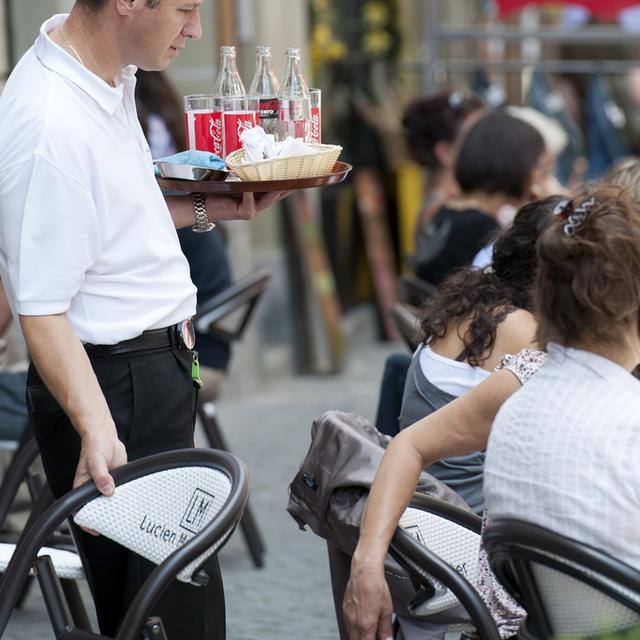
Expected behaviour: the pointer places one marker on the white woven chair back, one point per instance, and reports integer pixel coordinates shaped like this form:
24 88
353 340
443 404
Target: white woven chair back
158 513
453 543
575 608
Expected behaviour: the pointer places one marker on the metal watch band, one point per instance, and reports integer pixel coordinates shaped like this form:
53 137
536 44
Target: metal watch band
202 224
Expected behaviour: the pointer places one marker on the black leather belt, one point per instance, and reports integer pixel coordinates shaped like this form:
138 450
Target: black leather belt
167 337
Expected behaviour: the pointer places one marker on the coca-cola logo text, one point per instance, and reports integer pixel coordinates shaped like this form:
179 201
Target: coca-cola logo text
215 129
315 127
244 125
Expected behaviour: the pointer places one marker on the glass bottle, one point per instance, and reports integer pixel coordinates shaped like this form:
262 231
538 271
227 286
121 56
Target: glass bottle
229 82
295 103
265 86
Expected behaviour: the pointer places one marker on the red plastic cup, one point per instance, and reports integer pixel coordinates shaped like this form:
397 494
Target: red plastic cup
204 123
240 113
315 130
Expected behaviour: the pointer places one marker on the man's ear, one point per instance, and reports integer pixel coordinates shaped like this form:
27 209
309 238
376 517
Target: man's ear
128 7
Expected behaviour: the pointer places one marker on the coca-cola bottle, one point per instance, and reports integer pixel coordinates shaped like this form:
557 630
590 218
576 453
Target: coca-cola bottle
295 104
237 114
265 86
228 82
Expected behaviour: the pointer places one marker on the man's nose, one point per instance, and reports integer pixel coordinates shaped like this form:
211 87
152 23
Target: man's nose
193 28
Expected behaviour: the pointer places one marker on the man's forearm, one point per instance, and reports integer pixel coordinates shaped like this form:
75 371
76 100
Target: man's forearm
65 369
181 209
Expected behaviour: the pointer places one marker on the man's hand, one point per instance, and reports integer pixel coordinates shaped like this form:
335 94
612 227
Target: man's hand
99 452
226 208
367 604
221 207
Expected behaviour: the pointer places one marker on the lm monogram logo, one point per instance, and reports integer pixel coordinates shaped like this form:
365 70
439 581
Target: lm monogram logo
195 517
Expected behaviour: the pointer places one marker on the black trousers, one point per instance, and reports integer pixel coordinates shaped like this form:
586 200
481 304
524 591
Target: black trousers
152 400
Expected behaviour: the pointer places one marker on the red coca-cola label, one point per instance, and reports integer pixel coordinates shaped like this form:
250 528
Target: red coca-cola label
205 131
315 132
269 108
235 122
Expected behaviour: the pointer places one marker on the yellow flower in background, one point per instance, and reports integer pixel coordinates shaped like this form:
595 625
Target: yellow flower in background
321 34
377 42
375 13
336 50
321 5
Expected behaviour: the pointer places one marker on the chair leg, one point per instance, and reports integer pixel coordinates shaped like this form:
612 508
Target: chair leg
154 630
76 606
248 525
54 598
252 538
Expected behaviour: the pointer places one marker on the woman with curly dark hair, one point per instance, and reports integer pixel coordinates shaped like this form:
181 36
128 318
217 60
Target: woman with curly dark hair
475 318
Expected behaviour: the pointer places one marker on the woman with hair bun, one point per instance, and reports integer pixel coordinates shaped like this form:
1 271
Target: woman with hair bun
564 451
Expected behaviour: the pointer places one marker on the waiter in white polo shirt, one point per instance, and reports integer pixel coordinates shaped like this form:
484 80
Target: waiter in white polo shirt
91 263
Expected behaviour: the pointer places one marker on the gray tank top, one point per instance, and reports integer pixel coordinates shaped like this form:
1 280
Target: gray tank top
462 473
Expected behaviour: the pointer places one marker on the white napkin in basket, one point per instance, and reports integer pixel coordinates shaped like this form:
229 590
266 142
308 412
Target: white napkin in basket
260 145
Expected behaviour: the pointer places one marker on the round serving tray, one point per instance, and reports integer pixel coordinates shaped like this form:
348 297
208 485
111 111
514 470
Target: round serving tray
339 173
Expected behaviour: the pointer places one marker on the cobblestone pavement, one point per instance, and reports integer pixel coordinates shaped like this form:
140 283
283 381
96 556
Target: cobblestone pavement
290 597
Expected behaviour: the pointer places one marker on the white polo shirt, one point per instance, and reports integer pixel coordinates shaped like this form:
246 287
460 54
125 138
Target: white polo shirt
84 228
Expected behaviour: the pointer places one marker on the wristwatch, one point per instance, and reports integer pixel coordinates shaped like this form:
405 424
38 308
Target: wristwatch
202 224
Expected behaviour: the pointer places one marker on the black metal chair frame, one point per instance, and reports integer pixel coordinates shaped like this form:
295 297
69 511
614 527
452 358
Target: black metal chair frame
415 290
136 618
407 324
245 292
409 552
512 545
17 472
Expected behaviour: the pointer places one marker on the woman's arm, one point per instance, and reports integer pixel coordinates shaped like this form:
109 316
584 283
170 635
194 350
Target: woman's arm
459 428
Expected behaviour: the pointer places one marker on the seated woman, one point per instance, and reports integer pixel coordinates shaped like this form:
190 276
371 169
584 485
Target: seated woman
469 325
475 318
434 127
499 164
459 428
564 451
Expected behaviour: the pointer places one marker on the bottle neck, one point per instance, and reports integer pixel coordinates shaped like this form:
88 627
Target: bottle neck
263 63
229 81
265 83
295 84
228 64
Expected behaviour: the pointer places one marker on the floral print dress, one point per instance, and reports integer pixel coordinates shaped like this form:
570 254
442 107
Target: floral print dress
506 612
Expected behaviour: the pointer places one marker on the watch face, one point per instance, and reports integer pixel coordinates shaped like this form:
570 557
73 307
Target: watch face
187 334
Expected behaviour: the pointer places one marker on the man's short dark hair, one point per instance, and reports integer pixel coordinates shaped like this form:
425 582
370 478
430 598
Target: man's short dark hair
498 155
96 5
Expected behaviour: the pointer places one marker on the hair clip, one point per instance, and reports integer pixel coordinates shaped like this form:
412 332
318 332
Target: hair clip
560 207
575 215
488 270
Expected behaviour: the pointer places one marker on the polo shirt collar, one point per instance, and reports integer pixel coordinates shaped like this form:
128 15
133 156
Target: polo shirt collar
57 59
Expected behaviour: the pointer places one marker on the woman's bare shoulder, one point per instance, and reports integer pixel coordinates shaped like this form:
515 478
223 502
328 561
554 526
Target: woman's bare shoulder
516 332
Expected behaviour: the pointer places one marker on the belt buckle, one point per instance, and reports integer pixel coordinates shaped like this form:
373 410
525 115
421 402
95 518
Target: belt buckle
186 334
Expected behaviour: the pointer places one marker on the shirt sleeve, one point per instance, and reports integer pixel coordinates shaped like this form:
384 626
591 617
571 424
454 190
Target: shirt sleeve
523 364
50 235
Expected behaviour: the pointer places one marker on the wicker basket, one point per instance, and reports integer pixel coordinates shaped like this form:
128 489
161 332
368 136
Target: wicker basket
291 168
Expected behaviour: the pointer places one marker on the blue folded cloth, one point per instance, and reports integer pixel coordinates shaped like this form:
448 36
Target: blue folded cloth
202 159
